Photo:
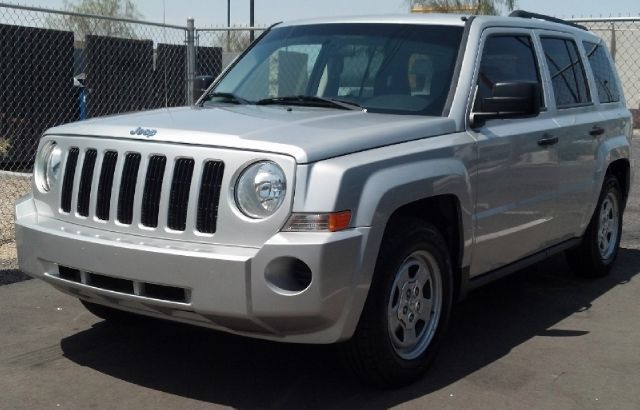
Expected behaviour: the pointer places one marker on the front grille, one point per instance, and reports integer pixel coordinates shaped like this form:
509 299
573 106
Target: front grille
142 181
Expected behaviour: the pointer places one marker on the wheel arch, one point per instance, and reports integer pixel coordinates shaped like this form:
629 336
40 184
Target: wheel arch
444 213
621 169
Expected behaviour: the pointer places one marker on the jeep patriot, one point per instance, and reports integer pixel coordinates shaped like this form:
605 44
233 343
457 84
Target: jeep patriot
345 180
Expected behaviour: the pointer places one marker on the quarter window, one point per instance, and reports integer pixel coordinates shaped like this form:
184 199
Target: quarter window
602 72
507 58
567 72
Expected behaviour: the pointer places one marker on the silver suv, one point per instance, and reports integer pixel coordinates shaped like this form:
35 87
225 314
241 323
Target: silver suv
345 180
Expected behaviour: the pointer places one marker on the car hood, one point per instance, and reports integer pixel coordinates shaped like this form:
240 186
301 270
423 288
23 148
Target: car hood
308 134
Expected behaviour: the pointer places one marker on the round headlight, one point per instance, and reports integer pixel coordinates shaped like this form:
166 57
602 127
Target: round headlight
49 166
261 189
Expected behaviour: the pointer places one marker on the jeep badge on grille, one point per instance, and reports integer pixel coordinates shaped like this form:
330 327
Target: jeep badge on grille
147 132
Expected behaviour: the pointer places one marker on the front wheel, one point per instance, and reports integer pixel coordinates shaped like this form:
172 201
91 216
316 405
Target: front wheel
407 309
599 247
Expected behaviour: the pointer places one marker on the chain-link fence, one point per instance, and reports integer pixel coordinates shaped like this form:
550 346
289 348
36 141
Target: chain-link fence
58 67
622 35
230 41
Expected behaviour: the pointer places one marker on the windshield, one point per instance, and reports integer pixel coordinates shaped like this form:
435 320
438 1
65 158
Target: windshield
388 68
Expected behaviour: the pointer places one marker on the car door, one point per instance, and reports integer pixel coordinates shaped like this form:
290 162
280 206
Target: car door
580 128
517 160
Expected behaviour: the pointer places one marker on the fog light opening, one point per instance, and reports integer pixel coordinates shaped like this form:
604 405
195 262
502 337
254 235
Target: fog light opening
288 274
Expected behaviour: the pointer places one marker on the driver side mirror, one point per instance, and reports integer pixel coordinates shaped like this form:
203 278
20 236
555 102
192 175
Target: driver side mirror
508 100
201 83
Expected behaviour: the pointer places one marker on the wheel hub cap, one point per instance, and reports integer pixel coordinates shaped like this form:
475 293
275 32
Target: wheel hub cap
414 305
608 225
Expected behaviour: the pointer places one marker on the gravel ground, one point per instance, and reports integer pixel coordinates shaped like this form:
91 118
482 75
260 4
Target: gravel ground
12 187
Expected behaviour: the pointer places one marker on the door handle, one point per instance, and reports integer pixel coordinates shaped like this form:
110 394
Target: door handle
596 130
547 140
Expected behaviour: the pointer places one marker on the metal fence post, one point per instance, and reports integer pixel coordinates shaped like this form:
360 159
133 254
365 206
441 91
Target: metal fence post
612 48
251 20
191 59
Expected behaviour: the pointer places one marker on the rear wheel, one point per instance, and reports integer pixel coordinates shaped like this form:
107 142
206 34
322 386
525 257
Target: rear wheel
407 309
599 247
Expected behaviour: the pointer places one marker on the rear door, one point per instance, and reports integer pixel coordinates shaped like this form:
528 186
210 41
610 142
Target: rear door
580 128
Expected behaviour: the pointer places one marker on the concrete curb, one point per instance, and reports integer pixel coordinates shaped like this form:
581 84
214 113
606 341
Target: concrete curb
16 174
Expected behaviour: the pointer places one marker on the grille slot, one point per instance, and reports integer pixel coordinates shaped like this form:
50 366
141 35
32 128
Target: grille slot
67 273
105 185
209 199
84 192
179 197
162 292
128 187
152 191
69 176
110 283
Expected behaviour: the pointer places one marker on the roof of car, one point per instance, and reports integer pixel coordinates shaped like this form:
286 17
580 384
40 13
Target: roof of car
439 19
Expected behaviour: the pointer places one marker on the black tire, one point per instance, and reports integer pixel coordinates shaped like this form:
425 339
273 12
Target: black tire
371 352
587 260
111 314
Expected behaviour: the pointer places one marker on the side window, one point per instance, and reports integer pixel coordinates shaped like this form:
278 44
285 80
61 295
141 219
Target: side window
507 58
567 72
602 72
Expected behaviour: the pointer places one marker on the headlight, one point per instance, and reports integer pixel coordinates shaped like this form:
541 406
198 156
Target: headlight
49 166
261 189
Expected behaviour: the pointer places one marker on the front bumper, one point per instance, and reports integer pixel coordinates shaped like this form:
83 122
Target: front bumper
224 286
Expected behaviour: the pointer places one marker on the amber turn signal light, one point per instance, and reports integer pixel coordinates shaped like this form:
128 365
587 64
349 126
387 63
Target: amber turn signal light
320 222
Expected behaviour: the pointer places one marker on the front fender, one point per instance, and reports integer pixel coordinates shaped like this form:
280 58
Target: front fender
374 184
392 188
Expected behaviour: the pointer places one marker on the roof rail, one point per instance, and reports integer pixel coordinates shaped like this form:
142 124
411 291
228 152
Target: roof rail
529 15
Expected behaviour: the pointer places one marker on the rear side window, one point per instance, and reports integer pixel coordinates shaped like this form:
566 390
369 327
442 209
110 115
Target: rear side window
507 58
567 72
602 72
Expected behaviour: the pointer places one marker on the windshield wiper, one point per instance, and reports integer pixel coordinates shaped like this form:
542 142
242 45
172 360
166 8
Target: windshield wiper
310 100
227 97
